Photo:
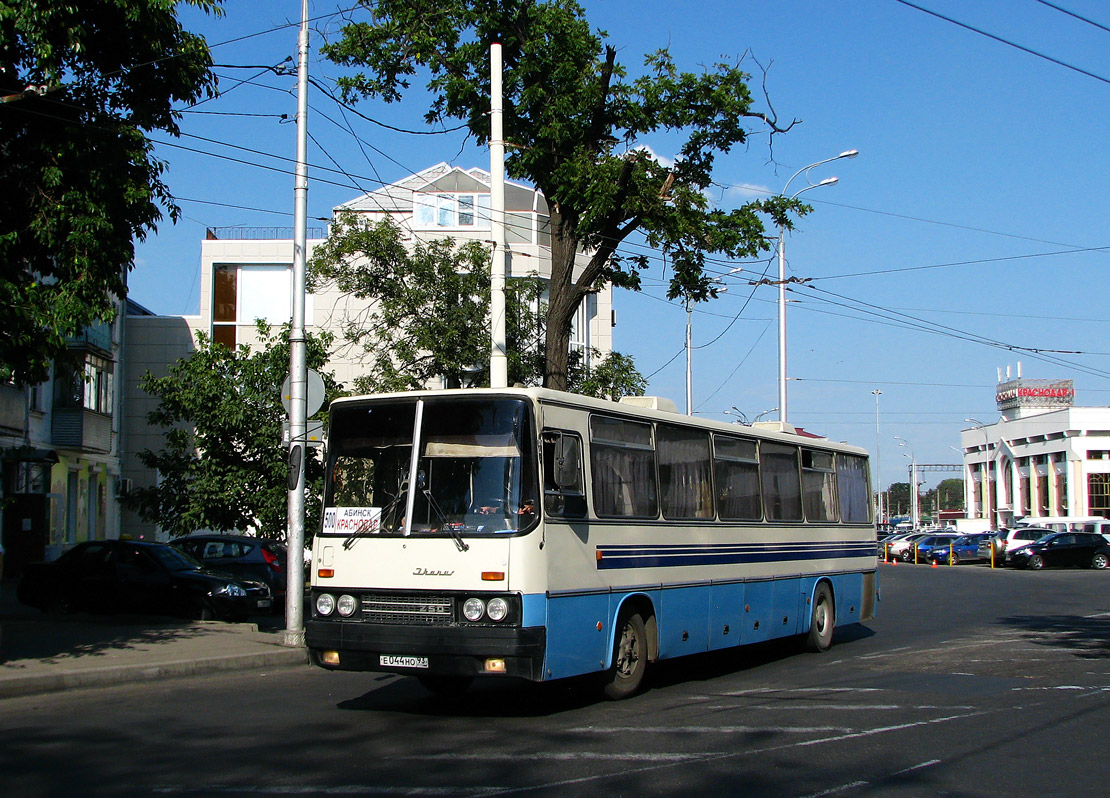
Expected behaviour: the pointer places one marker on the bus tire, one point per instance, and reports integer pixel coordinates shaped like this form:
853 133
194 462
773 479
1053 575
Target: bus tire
822 620
630 650
445 686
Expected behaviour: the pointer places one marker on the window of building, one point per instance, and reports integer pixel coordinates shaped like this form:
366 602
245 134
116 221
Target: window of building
1042 494
242 294
451 211
1098 494
736 469
623 463
84 380
685 487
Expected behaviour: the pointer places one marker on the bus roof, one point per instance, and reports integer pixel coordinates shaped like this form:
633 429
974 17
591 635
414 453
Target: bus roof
548 396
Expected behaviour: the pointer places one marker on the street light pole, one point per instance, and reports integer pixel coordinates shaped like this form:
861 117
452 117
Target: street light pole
829 181
914 513
720 289
878 463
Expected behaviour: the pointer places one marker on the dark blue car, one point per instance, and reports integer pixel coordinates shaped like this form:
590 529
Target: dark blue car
920 550
964 548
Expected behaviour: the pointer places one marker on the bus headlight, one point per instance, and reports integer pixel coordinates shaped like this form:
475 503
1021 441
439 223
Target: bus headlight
347 605
325 604
497 609
474 609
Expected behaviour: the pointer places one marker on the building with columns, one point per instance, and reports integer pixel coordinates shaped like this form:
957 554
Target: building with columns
1043 457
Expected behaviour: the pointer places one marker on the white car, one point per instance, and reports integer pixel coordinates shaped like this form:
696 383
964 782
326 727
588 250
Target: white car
1008 539
901 549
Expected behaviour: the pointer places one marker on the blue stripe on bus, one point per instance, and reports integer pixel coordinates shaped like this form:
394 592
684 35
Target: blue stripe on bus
658 556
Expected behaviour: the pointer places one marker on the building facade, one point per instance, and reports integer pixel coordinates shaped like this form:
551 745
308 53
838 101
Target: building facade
59 446
1043 457
246 274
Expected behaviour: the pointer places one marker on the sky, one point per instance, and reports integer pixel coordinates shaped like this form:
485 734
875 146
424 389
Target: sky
965 238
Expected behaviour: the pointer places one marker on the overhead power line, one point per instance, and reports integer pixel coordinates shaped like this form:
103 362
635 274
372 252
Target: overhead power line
1006 42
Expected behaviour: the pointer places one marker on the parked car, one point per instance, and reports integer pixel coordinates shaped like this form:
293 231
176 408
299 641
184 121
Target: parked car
108 576
920 549
241 556
1007 539
1062 549
964 548
900 549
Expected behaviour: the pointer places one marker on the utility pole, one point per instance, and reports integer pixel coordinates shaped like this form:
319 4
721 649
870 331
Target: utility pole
498 358
298 368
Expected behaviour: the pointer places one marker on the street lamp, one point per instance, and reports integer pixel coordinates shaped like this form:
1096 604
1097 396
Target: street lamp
736 411
878 463
828 181
913 479
765 412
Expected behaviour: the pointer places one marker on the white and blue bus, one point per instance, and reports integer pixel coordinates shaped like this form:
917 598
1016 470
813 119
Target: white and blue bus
538 534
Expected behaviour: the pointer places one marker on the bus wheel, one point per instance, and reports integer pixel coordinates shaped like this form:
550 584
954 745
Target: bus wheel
445 685
822 620
629 658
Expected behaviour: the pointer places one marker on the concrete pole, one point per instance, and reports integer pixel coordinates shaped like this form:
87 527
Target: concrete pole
689 358
782 325
498 359
298 369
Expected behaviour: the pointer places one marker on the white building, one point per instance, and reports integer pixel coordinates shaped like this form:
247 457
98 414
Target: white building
246 274
1042 457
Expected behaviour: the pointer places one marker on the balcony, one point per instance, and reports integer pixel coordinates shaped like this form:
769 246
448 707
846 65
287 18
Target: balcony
13 408
95 336
81 430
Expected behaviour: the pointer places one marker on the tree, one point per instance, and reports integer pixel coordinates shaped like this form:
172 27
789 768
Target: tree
224 465
950 492
898 496
427 314
81 84
575 127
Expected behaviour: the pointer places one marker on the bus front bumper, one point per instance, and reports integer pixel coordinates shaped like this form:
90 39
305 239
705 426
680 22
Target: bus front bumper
416 650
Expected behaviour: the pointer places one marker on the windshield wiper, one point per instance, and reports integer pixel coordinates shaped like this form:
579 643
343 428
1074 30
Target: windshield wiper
366 530
452 529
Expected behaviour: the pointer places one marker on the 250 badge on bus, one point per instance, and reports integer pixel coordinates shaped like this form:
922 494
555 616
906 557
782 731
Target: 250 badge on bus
389 661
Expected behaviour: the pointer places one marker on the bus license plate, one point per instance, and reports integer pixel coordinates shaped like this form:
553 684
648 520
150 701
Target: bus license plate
263 603
403 662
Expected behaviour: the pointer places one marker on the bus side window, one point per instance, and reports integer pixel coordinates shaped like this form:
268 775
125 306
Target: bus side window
564 492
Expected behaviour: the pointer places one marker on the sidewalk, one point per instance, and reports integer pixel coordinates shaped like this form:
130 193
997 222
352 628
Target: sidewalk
42 653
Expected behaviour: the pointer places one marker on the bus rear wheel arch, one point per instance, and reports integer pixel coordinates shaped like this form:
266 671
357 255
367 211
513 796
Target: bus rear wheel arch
633 647
822 619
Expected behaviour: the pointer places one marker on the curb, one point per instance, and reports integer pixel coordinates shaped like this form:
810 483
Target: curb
34 684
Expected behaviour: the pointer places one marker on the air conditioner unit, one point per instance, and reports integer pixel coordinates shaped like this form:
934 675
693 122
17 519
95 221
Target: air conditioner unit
123 486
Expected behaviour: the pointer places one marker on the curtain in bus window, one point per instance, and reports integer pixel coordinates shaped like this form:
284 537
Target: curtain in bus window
623 464
736 470
852 479
819 486
685 489
782 489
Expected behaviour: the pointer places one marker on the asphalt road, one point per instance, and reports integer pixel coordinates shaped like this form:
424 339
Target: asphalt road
971 682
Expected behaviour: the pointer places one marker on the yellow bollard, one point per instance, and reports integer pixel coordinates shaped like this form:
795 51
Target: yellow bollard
951 551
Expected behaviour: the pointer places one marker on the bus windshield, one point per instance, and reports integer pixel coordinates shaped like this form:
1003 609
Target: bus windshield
475 473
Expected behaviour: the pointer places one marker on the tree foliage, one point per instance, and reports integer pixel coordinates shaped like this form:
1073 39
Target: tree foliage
82 83
427 309
576 125
223 465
